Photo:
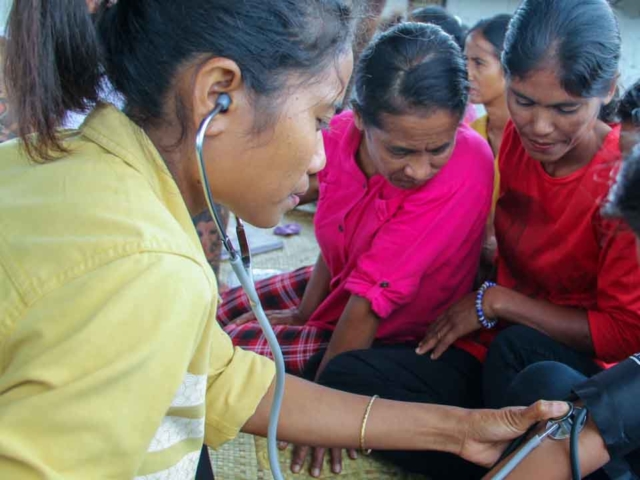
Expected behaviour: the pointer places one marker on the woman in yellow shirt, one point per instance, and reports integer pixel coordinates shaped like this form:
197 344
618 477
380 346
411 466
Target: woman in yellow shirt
483 48
112 364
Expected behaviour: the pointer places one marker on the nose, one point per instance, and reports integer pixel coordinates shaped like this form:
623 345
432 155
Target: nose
319 159
542 124
420 171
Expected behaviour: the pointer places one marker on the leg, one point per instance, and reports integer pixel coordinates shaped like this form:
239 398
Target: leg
280 292
543 380
518 347
398 373
298 343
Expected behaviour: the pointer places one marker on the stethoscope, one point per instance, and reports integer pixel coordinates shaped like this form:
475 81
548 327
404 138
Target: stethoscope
241 264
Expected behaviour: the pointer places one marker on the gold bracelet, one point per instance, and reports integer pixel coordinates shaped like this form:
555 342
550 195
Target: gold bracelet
363 429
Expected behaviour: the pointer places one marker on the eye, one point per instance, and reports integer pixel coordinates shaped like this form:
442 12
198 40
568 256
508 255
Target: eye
478 62
399 152
523 103
440 150
568 110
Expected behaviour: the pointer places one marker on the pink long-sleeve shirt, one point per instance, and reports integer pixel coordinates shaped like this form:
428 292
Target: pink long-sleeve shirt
411 253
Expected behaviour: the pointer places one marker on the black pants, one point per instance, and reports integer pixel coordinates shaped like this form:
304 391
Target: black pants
519 347
398 373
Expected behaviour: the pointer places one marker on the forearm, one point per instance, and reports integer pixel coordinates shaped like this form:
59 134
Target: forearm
551 460
564 324
316 291
355 330
318 416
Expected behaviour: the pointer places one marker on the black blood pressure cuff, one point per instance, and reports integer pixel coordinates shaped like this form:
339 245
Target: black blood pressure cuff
613 400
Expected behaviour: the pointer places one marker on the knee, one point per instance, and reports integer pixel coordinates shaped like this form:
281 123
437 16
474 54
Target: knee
510 343
543 380
347 372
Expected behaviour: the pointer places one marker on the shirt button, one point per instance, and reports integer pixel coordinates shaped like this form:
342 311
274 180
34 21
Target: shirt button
384 284
340 228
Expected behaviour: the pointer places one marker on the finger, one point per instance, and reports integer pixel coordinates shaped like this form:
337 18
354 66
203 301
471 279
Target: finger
297 458
431 336
521 419
444 343
433 342
316 462
353 453
283 445
336 460
245 318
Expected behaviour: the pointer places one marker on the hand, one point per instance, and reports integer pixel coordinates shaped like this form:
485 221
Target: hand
300 453
489 432
276 317
459 320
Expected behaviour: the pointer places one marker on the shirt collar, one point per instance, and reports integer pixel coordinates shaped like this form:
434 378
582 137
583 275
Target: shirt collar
115 132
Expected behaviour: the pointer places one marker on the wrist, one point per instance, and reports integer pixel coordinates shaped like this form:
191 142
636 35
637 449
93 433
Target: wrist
299 318
492 301
444 429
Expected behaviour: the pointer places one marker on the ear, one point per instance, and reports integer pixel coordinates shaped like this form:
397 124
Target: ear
357 117
215 76
613 89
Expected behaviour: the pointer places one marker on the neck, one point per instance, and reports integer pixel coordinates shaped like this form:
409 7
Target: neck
181 163
497 113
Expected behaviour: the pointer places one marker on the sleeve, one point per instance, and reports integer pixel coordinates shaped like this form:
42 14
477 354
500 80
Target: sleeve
421 237
92 368
238 380
615 322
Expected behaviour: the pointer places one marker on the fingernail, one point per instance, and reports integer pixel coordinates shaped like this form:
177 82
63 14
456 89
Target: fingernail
295 468
315 472
336 469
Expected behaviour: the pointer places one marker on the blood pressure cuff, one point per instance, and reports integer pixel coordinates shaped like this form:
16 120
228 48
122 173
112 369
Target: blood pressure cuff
613 400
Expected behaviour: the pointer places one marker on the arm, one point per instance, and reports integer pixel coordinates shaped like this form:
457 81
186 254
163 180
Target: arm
564 324
316 291
315 415
356 329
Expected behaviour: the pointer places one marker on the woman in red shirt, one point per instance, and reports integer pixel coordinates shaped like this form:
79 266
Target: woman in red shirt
567 279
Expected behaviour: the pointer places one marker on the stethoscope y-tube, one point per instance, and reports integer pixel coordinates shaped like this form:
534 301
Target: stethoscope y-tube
241 264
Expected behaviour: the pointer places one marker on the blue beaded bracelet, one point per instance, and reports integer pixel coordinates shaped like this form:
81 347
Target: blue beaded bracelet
487 323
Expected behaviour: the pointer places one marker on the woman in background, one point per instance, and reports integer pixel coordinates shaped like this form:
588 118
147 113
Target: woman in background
488 87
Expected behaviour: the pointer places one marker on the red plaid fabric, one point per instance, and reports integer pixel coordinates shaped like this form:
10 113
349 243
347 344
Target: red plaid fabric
281 292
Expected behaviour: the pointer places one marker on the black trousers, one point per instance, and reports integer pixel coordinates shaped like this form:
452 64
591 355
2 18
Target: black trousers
519 347
398 373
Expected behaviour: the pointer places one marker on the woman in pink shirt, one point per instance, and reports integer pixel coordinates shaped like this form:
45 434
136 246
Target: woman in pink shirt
404 199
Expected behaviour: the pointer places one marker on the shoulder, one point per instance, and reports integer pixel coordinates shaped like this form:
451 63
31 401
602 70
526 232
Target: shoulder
79 212
473 151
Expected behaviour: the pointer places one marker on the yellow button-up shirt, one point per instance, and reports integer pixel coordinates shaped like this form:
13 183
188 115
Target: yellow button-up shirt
112 364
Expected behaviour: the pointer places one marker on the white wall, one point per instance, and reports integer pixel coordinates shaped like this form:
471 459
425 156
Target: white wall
5 6
470 11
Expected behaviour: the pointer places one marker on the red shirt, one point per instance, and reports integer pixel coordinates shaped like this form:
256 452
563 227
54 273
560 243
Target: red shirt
411 253
554 244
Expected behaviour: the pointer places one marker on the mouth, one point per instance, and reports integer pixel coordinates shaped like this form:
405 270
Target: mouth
541 147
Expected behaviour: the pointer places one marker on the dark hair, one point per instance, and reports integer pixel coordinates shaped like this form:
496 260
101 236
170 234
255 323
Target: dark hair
580 37
436 15
494 29
629 107
55 59
412 66
624 197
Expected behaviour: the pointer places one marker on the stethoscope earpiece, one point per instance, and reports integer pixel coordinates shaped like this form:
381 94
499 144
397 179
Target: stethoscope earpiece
223 102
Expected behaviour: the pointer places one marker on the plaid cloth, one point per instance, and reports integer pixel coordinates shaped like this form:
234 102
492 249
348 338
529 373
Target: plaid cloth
281 292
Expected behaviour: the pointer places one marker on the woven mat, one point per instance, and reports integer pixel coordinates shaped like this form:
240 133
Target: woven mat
245 458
